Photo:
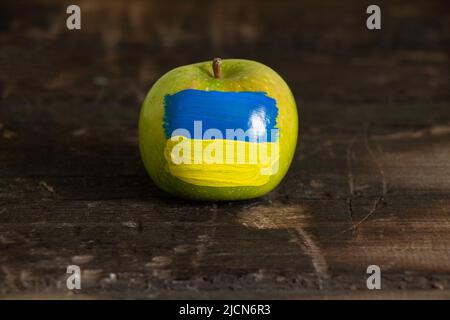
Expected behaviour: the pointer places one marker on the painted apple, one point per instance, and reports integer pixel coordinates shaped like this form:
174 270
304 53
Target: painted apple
225 130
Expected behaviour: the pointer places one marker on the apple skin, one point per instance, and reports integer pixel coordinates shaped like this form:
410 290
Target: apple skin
237 75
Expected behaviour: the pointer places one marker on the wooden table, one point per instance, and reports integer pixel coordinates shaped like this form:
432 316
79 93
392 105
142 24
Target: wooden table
369 185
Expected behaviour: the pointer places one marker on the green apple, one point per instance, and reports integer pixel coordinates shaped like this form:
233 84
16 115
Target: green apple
205 181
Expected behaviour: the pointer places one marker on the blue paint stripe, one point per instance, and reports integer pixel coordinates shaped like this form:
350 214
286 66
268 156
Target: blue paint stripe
252 112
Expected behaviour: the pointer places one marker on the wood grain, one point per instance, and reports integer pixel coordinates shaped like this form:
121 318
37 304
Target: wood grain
370 183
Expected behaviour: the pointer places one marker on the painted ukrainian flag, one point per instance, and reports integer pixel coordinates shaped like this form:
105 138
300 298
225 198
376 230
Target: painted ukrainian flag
221 139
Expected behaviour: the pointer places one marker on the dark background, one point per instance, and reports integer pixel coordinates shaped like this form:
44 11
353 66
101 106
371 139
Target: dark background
370 183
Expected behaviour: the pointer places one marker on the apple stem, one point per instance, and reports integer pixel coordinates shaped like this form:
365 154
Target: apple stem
217 68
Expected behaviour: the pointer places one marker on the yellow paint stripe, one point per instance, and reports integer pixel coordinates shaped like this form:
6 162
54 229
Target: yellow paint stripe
221 163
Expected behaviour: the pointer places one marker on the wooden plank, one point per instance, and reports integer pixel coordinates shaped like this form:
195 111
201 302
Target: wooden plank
370 182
